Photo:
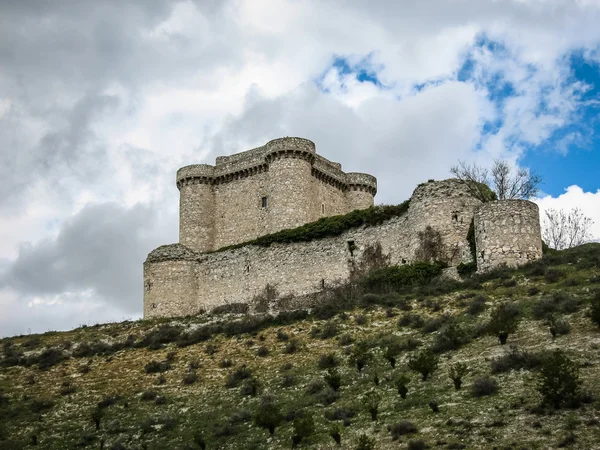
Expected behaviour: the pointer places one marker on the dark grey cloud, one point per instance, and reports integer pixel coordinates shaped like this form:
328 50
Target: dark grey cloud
101 248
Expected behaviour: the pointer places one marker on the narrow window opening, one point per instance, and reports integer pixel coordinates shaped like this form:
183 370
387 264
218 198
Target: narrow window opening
322 283
264 202
248 268
351 247
322 208
455 217
403 261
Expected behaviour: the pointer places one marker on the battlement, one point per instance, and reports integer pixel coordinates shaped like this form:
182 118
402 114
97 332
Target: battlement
281 184
180 279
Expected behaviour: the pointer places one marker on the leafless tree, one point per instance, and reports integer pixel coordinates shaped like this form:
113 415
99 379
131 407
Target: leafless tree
505 182
562 229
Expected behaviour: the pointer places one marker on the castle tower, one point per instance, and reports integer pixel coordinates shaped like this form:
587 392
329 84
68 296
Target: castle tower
196 207
362 188
291 189
507 232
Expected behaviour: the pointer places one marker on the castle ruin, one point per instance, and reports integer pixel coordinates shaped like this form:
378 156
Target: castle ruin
285 184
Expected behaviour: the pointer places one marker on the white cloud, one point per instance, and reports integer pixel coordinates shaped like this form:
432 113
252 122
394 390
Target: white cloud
575 197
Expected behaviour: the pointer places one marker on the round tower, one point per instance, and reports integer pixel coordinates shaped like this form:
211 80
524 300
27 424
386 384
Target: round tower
362 188
507 232
196 207
447 207
290 161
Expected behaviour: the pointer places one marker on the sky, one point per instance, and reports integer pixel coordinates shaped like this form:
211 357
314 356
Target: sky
101 103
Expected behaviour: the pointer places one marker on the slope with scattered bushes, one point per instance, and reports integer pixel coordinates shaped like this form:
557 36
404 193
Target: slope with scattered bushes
397 359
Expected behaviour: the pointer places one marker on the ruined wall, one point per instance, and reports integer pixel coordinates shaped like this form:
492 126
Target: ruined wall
298 269
507 232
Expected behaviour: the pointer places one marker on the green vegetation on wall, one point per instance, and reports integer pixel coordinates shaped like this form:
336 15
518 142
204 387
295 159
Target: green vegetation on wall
329 226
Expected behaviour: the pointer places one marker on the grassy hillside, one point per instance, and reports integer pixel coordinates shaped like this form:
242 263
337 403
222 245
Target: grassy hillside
220 381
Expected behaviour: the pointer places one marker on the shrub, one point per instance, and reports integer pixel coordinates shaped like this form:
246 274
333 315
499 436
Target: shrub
515 360
451 337
401 428
372 400
225 363
97 417
411 320
557 302
595 308
456 372
435 324
476 306
161 335
361 319
282 336
67 388
340 413
292 346
268 414
303 426
417 274
346 339
330 329
231 308
433 404
262 351
149 396
333 379
533 291
558 380
401 381
334 432
251 387
504 321
417 444
157 366
50 357
315 386
467 269
484 386
236 377
190 377
558 326
553 275
424 362
288 380
327 360
365 442
210 349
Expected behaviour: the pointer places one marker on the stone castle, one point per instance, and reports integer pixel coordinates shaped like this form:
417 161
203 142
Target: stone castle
285 184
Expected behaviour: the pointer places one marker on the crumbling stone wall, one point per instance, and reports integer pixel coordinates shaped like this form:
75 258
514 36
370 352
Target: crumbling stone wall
223 204
299 269
507 232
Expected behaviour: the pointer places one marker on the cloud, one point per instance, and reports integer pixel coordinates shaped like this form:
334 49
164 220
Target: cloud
575 197
99 250
103 101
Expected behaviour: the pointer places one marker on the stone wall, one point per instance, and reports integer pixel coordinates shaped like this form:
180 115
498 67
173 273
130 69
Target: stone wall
222 205
298 269
507 232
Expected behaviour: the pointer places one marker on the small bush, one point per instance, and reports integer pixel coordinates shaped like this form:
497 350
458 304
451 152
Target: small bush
49 358
251 387
330 329
504 321
456 372
148 396
282 336
425 362
533 291
315 386
340 413
411 320
164 334
515 360
401 382
346 339
451 337
361 319
558 326
484 386
268 414
557 302
435 324
225 363
303 427
292 346
371 401
288 380
190 377
553 275
327 360
401 428
236 377
67 388
262 351
365 442
477 306
558 380
417 444
595 308
333 379
157 366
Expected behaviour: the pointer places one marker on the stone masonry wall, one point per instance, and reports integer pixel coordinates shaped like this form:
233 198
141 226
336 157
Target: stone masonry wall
507 232
222 205
238 275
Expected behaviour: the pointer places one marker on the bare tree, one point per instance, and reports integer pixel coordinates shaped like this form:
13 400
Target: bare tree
505 182
562 229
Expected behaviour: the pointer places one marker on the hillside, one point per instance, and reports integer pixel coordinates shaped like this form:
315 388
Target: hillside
220 380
